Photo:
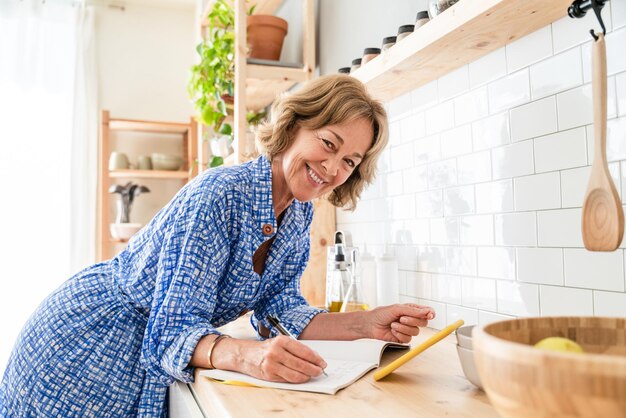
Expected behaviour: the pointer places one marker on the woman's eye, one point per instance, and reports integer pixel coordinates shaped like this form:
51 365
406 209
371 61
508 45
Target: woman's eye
350 163
328 143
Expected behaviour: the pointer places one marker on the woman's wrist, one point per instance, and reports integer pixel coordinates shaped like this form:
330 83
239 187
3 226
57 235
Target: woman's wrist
354 325
338 326
227 355
212 346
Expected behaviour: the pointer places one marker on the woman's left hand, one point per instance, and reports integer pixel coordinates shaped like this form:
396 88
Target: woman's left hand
400 322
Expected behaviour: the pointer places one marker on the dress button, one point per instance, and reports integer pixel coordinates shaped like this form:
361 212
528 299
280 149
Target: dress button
268 229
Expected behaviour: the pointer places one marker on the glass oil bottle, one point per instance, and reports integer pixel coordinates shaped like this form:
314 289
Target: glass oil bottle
353 300
339 281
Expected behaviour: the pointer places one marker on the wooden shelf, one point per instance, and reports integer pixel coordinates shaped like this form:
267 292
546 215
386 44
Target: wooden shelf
149 174
187 135
265 82
148 126
465 32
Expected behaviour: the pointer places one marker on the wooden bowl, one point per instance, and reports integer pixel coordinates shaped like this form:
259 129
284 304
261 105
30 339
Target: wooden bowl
523 381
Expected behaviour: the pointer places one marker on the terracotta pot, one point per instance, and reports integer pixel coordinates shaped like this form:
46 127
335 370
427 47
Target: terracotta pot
228 99
265 36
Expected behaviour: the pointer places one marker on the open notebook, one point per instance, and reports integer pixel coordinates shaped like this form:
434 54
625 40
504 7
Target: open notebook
347 362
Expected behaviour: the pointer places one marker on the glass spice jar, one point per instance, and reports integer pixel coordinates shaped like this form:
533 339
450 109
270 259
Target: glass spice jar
421 19
388 42
404 31
369 54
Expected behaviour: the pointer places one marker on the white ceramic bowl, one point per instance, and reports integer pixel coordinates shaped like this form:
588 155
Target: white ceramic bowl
464 336
124 231
469 365
166 162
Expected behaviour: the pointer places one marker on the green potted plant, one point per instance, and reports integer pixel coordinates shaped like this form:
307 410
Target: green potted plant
212 82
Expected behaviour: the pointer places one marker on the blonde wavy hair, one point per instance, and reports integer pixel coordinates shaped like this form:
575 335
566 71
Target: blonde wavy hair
328 100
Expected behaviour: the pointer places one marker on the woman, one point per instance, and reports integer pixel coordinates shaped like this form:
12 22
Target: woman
110 340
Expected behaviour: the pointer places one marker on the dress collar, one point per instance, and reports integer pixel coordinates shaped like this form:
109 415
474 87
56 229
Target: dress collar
263 206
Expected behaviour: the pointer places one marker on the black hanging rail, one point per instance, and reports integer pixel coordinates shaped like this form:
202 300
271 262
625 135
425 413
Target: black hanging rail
579 9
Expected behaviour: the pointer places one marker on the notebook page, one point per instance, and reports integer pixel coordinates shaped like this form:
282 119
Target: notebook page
341 373
363 350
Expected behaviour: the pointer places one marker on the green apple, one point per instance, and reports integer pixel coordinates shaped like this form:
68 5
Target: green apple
559 344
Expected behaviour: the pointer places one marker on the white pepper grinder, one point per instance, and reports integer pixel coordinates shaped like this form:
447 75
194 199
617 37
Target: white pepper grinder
387 287
367 269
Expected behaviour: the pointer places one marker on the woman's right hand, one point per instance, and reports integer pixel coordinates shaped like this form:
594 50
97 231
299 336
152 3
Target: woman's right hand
279 359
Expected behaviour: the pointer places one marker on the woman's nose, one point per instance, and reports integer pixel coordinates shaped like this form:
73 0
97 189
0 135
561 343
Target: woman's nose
330 166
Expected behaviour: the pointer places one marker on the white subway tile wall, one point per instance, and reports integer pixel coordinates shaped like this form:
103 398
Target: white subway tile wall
533 119
530 49
488 68
481 189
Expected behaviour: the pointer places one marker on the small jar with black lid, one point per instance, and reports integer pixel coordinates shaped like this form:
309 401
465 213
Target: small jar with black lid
404 31
344 70
388 42
369 54
356 64
421 19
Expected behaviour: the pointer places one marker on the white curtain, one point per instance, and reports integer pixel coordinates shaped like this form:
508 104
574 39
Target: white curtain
84 147
48 138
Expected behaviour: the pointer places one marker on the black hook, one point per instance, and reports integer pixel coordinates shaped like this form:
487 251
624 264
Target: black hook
597 6
579 9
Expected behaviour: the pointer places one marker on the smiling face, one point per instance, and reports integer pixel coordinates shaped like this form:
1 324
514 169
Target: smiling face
319 160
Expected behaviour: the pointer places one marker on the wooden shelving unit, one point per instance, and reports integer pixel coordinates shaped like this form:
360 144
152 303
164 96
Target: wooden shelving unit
189 146
465 32
258 82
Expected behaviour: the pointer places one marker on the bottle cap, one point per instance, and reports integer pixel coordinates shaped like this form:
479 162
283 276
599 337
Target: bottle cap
339 255
422 15
368 51
356 61
344 70
406 28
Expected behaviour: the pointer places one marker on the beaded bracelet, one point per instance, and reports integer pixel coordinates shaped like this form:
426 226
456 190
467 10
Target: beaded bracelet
211 347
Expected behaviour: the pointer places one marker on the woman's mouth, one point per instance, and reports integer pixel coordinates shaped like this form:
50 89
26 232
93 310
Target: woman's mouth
314 177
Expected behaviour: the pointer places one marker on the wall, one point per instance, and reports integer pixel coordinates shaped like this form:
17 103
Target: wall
144 56
480 191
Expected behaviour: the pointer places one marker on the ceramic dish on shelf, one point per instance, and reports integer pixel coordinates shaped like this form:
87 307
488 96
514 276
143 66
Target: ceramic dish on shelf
124 231
166 162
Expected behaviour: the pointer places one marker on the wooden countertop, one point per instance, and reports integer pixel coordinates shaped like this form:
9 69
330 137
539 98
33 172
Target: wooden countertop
431 385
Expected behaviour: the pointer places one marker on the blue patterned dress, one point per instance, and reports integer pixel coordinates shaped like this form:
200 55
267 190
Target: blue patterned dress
110 340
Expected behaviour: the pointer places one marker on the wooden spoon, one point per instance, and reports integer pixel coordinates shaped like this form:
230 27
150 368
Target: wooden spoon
603 217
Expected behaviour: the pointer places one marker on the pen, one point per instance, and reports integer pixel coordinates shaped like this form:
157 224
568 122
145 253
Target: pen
273 320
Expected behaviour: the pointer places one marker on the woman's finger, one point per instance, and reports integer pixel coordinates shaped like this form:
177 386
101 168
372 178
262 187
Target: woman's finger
413 322
403 338
300 365
405 329
279 364
415 311
290 375
307 354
